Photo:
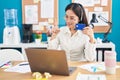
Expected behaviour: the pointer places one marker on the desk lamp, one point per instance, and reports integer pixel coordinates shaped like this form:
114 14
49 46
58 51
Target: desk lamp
105 39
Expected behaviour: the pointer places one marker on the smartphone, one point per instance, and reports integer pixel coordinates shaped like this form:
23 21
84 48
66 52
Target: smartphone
79 26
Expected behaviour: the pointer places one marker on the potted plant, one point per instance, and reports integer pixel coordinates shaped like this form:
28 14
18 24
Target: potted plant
38 36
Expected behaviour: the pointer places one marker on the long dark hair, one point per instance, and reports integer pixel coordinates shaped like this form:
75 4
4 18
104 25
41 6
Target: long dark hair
78 9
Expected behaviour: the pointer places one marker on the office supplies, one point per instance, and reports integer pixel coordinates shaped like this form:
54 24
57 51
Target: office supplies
3 63
91 77
23 64
94 67
19 69
52 61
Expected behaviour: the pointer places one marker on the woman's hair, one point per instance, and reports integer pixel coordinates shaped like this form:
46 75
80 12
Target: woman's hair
78 9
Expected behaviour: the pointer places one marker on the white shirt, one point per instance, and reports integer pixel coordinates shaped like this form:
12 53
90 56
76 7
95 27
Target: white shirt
77 46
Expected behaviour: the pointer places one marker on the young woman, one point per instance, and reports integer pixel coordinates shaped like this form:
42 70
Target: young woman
78 44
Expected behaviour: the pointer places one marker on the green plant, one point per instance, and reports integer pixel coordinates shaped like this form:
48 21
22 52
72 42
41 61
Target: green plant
38 35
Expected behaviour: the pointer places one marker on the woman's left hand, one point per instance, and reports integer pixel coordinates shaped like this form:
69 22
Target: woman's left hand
89 31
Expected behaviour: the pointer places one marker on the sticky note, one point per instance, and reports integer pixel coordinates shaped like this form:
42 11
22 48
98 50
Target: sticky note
36 1
50 20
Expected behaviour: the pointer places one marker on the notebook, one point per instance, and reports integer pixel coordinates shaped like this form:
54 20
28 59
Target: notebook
52 61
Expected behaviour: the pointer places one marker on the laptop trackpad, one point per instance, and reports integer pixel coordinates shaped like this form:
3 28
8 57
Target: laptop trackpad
72 69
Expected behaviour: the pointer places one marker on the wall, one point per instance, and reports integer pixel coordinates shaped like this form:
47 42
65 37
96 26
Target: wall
114 37
62 3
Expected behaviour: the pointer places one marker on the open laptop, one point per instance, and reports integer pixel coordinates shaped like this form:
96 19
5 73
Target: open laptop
52 61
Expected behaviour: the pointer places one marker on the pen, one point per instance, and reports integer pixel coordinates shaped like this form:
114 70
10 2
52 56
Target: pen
5 64
23 64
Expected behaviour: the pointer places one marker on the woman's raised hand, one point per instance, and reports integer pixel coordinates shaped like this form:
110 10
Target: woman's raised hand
55 31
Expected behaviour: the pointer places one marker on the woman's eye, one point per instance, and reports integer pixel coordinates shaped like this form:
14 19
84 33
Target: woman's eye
72 18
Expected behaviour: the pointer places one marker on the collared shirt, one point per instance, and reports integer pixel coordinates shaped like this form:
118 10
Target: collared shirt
77 46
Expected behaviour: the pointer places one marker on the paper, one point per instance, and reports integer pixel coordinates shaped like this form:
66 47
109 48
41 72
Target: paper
96 1
85 3
36 1
104 2
95 67
47 8
43 25
31 14
36 27
50 20
98 9
20 68
90 77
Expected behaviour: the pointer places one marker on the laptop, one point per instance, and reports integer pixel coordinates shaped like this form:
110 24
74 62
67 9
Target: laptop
45 60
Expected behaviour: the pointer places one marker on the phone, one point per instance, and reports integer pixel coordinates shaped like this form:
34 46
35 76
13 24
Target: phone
79 26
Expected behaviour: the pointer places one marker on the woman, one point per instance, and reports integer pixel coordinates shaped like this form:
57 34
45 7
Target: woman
78 44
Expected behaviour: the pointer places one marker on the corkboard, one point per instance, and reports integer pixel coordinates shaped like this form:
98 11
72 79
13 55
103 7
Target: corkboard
108 8
31 2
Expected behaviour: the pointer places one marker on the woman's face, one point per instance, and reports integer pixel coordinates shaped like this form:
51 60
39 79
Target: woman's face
71 19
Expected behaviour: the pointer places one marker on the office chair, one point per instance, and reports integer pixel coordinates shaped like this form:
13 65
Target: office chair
11 55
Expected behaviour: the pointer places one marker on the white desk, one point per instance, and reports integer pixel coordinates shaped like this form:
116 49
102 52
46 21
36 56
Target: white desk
106 45
22 46
99 47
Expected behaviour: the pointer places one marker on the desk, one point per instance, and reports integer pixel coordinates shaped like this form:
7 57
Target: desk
27 76
110 45
22 46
